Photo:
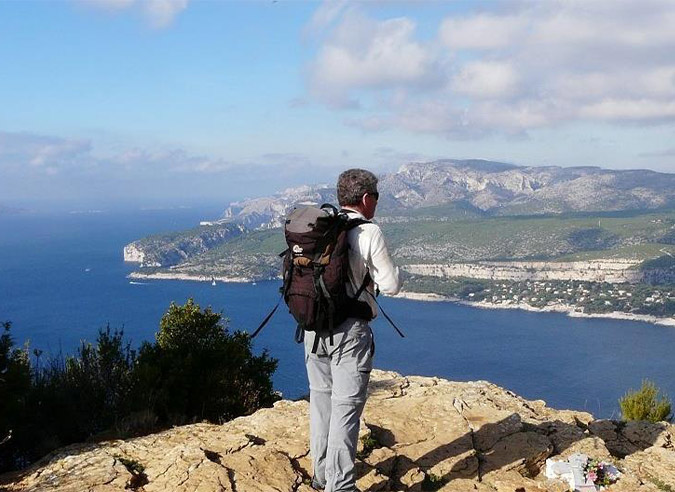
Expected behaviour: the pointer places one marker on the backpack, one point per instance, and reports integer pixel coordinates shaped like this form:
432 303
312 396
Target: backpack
316 266
315 272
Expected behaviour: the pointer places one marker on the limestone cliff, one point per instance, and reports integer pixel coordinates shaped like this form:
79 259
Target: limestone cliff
612 271
175 247
428 434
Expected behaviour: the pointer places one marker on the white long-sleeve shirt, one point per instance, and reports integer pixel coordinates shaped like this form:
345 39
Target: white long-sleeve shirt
368 253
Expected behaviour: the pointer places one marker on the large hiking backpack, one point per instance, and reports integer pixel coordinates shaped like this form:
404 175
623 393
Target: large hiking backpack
315 272
316 266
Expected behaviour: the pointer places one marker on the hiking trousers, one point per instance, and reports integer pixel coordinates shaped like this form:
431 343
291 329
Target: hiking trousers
338 376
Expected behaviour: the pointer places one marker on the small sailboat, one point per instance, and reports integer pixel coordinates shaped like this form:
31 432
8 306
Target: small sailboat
213 280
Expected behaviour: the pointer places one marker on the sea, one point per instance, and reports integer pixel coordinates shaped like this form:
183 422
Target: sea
63 278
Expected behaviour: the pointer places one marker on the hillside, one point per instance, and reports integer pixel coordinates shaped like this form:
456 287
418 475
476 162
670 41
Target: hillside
470 219
424 434
478 188
617 236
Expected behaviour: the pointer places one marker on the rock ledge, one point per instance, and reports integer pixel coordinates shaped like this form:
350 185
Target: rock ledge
425 434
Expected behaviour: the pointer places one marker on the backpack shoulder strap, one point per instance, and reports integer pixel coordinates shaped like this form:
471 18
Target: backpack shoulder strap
351 223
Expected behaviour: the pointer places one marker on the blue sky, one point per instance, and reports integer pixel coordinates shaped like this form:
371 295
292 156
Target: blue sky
178 102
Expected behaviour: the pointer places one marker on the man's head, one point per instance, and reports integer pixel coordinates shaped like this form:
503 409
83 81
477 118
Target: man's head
357 189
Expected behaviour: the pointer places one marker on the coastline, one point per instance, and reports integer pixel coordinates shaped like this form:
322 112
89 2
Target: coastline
556 308
188 277
431 297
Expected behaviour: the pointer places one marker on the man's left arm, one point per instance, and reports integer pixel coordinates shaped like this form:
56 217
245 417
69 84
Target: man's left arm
382 269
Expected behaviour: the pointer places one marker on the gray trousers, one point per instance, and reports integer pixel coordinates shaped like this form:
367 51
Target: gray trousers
338 376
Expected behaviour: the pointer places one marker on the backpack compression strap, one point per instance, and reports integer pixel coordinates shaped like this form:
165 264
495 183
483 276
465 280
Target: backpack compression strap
282 290
366 281
387 316
267 318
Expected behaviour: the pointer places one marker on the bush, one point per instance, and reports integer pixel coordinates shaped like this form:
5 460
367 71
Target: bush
197 370
645 404
14 387
75 398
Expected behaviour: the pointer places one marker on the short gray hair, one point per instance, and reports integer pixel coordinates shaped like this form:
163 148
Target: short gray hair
353 184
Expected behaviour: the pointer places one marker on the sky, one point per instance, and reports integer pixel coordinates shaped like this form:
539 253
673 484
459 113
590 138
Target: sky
182 102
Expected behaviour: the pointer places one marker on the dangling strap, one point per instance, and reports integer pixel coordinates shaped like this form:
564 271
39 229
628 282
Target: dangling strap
386 316
366 282
284 289
331 307
267 318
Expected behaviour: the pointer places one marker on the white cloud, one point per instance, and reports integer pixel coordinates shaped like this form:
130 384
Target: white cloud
630 110
324 16
525 66
47 167
364 54
42 154
159 13
482 31
486 79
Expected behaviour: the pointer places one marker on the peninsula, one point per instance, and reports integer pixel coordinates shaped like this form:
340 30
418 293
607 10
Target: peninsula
586 241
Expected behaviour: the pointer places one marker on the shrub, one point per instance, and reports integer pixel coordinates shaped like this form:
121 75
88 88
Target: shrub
14 387
647 403
78 397
197 370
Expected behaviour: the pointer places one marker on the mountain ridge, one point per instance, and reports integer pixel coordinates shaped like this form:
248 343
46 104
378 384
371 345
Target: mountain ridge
484 187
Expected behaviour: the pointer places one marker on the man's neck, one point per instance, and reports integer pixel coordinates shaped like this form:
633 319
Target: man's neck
353 208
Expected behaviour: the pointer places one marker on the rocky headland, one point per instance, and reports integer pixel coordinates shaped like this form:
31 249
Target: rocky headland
419 433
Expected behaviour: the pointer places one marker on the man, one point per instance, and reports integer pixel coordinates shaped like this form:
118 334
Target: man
339 370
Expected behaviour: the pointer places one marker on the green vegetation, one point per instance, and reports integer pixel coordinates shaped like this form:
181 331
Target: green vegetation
195 370
369 443
587 297
15 380
647 403
432 481
448 233
132 465
137 470
533 237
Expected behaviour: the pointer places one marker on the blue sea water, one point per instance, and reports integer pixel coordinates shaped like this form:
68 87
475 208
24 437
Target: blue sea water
62 278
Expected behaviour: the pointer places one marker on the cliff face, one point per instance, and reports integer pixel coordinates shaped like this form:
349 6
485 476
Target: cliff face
612 271
458 437
173 248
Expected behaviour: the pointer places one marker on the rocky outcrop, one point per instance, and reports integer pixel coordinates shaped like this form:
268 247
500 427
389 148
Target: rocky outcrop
483 187
269 212
425 434
170 249
133 253
612 271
